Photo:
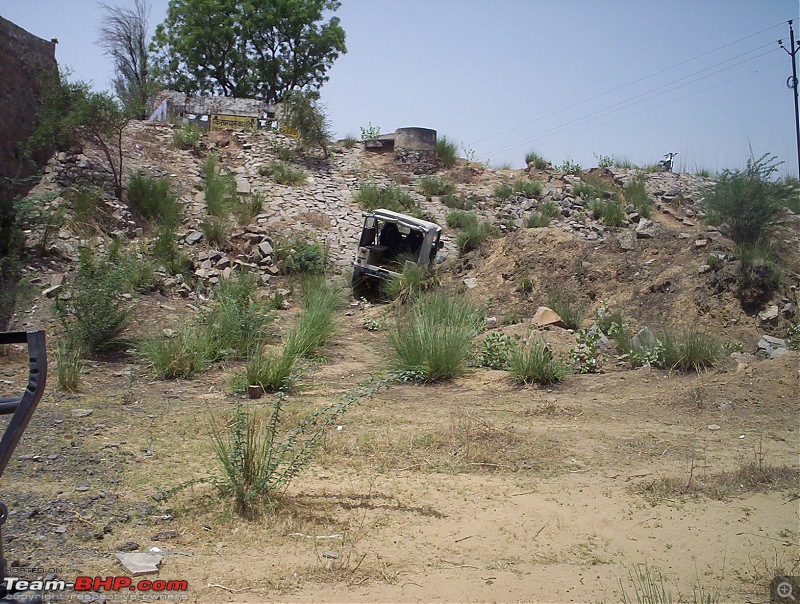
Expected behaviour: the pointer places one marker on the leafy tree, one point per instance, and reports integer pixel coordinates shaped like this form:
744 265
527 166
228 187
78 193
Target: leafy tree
749 202
71 111
123 35
248 48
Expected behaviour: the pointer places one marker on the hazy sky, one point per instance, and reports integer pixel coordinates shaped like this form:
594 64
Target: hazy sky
567 78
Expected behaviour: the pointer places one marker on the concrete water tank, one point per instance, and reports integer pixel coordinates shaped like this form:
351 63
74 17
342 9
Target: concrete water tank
418 139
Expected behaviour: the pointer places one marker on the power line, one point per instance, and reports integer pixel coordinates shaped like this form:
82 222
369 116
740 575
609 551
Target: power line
631 83
649 94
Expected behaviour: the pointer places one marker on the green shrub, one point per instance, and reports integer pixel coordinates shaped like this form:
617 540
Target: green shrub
84 204
759 273
749 202
691 350
299 256
537 220
433 185
473 235
273 371
591 188
370 133
316 324
69 365
494 350
153 199
432 337
611 212
503 191
235 320
283 173
412 281
219 187
460 219
187 137
530 188
793 336
248 207
302 112
456 202
570 167
215 230
634 192
349 141
539 162
372 196
567 308
95 314
446 151
585 357
139 271
181 356
168 253
534 363
608 321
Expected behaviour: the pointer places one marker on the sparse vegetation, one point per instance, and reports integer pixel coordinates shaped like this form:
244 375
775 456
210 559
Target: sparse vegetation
370 133
759 272
180 356
372 196
187 137
529 188
349 141
303 114
215 230
433 185
457 202
300 256
534 363
248 208
152 198
69 365
85 202
611 211
446 151
539 162
412 281
316 324
272 370
503 191
566 307
473 235
749 202
570 167
284 174
433 336
219 187
543 215
635 193
495 350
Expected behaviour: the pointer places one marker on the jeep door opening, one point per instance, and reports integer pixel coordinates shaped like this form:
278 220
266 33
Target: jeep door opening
389 240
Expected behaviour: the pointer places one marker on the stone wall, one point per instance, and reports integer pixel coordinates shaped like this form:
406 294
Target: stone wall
23 59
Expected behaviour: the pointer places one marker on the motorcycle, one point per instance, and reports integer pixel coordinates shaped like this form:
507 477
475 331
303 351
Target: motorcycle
666 163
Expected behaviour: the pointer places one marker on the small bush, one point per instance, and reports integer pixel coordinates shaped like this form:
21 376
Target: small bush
585 357
284 174
691 350
85 202
95 314
494 350
537 220
372 196
473 236
69 365
181 356
456 202
303 114
139 271
749 202
793 336
608 321
412 281
273 371
316 324
530 188
432 338
539 162
433 185
565 307
591 188
169 254
153 199
446 151
534 363
759 273
570 167
611 212
349 141
234 322
215 230
634 192
503 191
460 219
299 256
219 187
248 208
187 137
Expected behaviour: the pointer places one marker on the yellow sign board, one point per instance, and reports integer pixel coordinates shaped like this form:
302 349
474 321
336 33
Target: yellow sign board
232 122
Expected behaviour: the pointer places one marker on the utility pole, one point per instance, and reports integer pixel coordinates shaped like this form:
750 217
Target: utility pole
792 83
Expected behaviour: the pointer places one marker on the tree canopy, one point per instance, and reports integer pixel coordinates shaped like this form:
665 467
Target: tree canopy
261 49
